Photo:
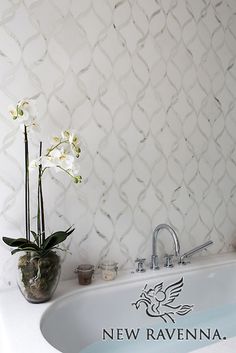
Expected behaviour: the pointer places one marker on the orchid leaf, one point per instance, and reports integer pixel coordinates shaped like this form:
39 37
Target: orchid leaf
15 242
36 237
16 250
31 245
21 243
57 238
29 248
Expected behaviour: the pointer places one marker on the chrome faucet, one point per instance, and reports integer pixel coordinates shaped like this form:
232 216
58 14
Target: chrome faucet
154 258
182 259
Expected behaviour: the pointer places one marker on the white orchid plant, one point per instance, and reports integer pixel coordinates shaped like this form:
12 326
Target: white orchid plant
62 155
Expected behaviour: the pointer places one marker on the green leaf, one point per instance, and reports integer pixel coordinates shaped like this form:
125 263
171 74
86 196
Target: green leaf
16 250
21 244
70 229
15 242
30 245
29 248
36 237
57 238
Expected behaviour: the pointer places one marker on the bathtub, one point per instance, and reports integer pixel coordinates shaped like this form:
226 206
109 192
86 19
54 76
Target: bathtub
184 309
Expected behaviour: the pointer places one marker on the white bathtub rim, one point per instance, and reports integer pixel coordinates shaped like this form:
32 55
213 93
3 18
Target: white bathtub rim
130 276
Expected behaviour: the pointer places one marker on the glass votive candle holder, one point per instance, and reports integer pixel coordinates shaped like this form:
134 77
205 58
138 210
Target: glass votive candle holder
109 270
85 273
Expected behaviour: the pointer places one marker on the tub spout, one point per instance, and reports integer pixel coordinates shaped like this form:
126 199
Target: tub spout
154 258
182 259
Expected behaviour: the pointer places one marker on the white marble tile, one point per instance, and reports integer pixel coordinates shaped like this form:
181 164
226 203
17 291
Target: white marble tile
150 87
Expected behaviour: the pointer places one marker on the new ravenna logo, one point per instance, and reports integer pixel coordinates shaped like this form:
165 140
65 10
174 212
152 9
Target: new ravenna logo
158 301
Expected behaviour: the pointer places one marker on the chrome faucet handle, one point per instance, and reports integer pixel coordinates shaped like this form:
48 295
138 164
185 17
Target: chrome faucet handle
154 263
140 263
168 261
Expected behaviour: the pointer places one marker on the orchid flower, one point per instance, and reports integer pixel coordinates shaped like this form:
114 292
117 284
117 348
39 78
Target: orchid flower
26 114
62 155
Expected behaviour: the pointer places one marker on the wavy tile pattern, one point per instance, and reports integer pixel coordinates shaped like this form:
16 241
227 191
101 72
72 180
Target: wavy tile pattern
150 86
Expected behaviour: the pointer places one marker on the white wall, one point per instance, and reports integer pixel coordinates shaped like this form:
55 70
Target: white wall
150 86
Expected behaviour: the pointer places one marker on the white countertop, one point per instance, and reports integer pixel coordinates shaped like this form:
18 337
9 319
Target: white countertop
20 320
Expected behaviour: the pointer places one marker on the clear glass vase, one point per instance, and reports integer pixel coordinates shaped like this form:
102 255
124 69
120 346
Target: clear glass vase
38 276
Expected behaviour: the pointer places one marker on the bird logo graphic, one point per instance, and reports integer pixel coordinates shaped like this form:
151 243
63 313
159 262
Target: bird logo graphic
159 301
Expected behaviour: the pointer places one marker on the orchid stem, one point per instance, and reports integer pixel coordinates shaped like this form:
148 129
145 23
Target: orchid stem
41 219
56 146
27 190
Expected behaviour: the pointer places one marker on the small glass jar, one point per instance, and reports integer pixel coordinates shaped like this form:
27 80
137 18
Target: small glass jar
85 273
109 270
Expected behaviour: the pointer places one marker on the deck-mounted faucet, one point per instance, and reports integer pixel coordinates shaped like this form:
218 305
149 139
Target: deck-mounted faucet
154 258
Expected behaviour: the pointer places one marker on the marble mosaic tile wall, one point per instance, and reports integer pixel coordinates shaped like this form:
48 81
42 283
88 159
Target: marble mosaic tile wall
150 86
